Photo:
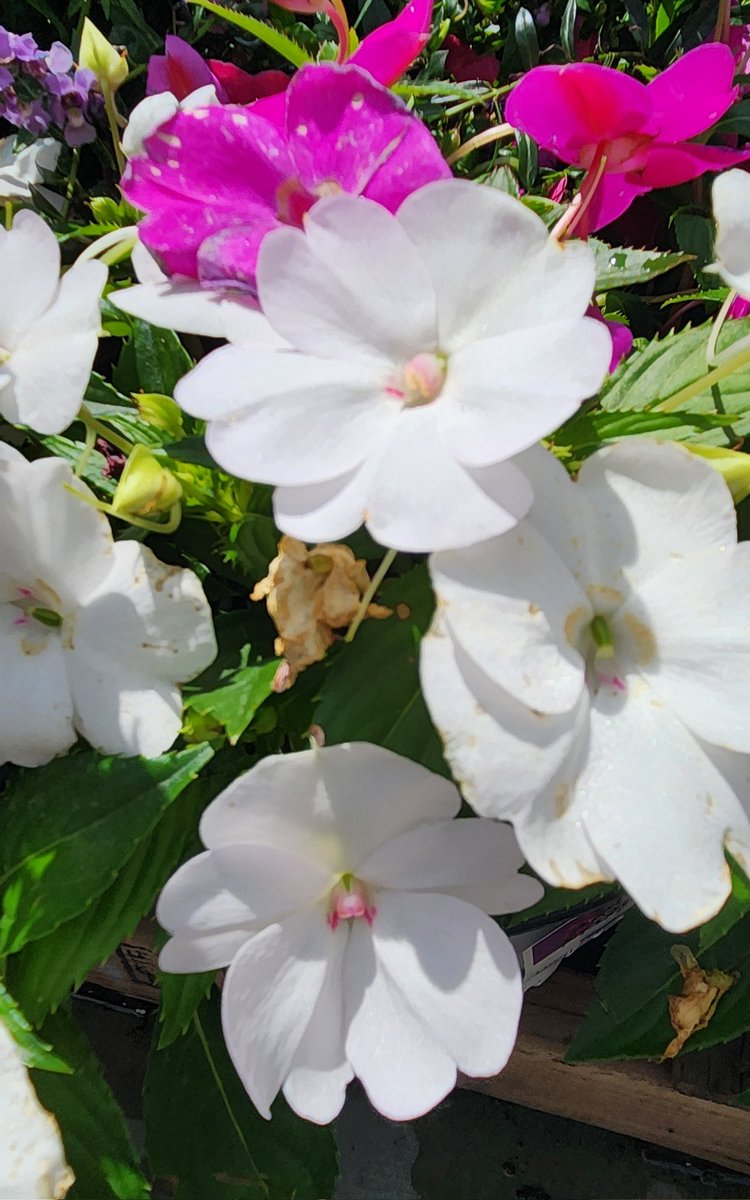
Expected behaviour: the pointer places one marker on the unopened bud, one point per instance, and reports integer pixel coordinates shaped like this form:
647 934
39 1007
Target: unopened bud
145 487
101 57
161 412
734 465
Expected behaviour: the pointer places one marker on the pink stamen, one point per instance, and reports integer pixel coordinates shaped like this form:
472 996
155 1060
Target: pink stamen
349 903
613 681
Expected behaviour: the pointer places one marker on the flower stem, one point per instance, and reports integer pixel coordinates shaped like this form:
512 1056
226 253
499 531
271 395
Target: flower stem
727 367
110 108
103 431
338 16
71 184
8 205
718 325
582 200
364 603
480 139
723 17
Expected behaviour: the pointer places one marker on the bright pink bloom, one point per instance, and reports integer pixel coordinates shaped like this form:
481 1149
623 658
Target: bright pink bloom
634 134
739 308
216 180
385 53
622 338
464 64
182 70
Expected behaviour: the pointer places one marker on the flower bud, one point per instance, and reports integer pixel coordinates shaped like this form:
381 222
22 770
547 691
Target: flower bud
734 465
145 487
100 56
161 412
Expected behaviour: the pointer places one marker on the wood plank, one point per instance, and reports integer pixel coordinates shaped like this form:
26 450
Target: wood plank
634 1098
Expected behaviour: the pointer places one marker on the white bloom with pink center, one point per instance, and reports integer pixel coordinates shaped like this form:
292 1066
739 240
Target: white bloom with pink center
416 355
351 911
49 327
95 635
590 676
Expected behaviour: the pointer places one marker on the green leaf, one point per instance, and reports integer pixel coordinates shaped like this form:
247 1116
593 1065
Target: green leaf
526 39
69 827
372 692
180 996
619 266
630 1018
45 971
215 1145
235 703
267 34
96 1140
567 30
651 377
557 902
34 1051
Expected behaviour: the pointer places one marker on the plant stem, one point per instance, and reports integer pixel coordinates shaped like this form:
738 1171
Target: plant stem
718 325
111 110
364 603
480 139
114 439
8 205
71 184
728 367
581 202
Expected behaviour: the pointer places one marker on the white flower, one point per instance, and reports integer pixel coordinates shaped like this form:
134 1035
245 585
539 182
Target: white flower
94 634
590 674
429 348
344 897
49 327
153 111
32 1159
19 171
731 204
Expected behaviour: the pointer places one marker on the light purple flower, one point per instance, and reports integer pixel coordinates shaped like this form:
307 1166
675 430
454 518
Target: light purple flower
217 180
59 60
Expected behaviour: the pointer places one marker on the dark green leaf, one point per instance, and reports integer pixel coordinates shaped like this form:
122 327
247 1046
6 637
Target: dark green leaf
567 30
155 359
96 1140
179 998
191 450
215 1145
526 39
528 160
372 692
629 1017
69 827
619 266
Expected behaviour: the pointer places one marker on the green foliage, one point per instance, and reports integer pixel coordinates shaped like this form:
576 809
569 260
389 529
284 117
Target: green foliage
629 1017
259 29
621 266
69 827
96 1140
179 999
233 705
215 1145
371 692
34 1051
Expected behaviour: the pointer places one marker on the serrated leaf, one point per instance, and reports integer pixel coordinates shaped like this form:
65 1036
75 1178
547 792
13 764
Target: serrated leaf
95 1137
620 266
34 1052
630 1017
180 996
271 37
371 692
234 704
69 827
562 902
216 1146
652 377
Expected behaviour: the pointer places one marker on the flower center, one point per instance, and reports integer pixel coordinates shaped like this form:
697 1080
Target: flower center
32 607
421 380
292 202
349 900
623 154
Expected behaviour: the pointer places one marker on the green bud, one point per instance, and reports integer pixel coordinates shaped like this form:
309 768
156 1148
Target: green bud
100 56
734 465
160 411
145 487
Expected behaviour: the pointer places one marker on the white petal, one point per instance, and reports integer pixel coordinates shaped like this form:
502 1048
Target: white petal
190 308
504 393
185 953
509 604
446 987
20 170
422 499
269 994
30 270
315 1087
36 712
52 362
450 856
333 805
654 502
352 283
561 511
145 118
731 203
197 900
324 512
120 711
32 1158
697 611
657 810
145 267
501 753
493 266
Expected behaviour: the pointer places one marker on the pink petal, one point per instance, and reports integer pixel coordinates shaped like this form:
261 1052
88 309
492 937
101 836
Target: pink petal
389 50
693 93
612 198
739 308
348 132
231 256
580 105
670 165
272 109
205 170
180 71
243 88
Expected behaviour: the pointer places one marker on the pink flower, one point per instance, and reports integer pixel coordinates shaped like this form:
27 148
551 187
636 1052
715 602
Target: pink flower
216 180
622 338
182 70
629 136
385 53
464 64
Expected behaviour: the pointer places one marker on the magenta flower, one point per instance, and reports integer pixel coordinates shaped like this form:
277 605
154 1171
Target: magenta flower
630 137
216 180
182 70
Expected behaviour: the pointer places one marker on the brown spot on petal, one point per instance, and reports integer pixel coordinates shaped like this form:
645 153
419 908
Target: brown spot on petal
574 623
561 799
643 639
601 595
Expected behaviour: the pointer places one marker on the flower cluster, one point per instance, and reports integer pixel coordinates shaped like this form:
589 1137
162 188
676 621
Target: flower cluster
44 88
